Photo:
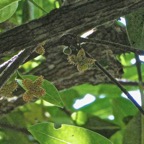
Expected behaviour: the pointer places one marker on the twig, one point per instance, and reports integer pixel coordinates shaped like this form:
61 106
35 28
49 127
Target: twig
14 127
112 44
67 112
14 64
139 71
126 83
120 86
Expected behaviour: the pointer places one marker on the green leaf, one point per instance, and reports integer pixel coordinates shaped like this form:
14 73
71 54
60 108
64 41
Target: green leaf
4 3
69 96
117 138
135 28
46 133
101 108
52 95
42 7
58 116
122 108
7 9
101 89
104 127
134 133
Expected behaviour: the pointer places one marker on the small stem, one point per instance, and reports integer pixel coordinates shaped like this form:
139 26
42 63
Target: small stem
15 128
120 86
112 45
126 83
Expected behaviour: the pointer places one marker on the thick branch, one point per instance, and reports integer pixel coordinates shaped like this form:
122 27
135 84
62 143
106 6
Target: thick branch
72 19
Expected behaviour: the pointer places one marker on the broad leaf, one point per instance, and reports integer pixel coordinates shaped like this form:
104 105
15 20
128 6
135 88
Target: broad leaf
7 9
101 108
135 27
46 133
122 108
52 95
69 96
5 3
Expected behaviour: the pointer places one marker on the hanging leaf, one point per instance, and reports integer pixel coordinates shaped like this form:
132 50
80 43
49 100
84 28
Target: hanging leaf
7 9
135 28
52 95
46 133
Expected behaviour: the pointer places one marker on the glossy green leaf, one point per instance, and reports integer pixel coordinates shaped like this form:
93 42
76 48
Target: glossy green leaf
135 24
52 95
46 133
7 9
5 3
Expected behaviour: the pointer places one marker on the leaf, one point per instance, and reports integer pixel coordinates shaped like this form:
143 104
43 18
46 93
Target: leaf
46 5
7 9
101 108
58 116
69 96
52 95
117 138
134 133
46 133
104 127
122 108
98 90
135 28
4 3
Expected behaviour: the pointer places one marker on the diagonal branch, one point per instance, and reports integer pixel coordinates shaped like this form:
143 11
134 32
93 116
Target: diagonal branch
13 65
114 45
121 87
73 19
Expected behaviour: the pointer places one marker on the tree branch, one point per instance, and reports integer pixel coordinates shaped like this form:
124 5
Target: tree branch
13 64
125 82
73 19
114 45
121 87
14 127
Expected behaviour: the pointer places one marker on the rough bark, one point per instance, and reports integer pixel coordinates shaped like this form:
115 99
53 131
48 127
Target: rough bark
70 19
75 19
